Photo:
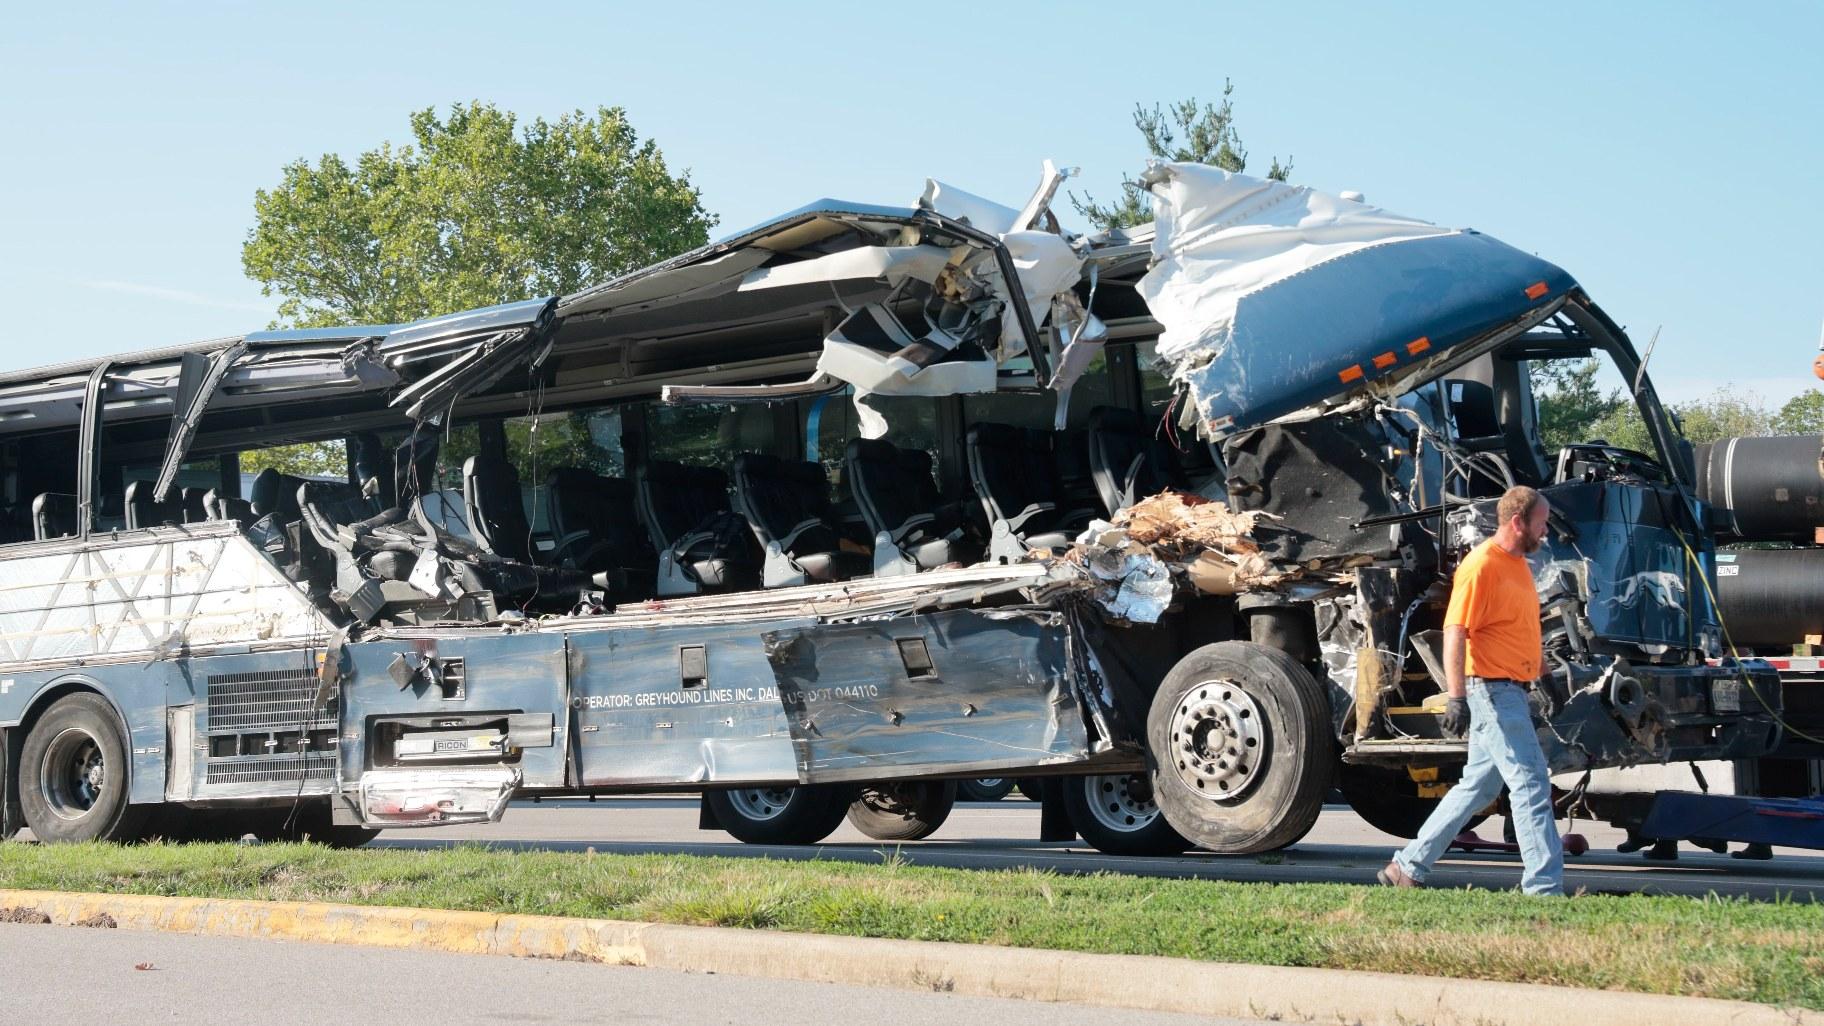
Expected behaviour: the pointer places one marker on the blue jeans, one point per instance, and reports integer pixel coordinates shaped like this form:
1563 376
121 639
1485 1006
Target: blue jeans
1502 749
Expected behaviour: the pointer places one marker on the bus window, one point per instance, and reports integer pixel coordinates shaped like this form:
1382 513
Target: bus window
1156 389
39 465
711 435
1038 409
829 423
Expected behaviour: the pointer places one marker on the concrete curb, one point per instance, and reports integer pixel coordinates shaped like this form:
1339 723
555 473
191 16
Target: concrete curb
1119 981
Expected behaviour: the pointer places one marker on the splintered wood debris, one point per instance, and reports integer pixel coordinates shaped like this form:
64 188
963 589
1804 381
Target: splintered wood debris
1212 545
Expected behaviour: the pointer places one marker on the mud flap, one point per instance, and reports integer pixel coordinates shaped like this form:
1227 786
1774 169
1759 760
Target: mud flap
953 693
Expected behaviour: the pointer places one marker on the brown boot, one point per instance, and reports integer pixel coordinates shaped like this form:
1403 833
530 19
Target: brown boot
1394 876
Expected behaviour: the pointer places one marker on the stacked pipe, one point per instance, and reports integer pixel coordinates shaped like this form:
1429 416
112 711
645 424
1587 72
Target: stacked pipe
1768 490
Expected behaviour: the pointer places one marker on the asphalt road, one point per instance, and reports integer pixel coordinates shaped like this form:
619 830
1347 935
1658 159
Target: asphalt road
1341 849
64 974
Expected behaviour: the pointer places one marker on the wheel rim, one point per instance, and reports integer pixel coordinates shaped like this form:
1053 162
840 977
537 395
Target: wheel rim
761 802
1121 802
1218 740
74 775
989 782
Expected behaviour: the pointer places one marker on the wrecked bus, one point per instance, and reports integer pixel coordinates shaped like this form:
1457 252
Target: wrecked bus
822 517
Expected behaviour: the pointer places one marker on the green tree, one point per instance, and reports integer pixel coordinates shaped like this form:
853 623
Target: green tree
305 459
1570 403
477 211
1726 413
1803 414
1201 133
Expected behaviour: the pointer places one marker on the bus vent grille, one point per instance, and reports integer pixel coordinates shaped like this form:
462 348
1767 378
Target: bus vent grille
263 700
267 769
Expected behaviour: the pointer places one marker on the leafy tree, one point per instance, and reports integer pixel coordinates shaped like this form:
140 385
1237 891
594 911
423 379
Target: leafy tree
1185 131
1725 414
1802 415
473 213
1570 403
305 459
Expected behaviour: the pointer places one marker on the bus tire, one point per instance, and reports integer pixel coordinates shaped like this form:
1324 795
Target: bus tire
903 810
984 789
780 815
1240 738
1116 814
74 775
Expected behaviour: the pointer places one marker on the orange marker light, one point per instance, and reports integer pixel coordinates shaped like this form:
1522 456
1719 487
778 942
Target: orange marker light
1418 345
1383 361
1350 373
1536 289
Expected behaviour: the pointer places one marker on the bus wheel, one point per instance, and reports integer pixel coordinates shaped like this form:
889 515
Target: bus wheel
780 815
1116 814
73 775
985 789
903 810
1240 737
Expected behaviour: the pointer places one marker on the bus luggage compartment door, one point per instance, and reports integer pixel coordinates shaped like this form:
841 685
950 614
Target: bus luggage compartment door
677 705
953 693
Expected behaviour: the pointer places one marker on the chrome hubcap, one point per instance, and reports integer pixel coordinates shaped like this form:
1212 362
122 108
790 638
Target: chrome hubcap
1218 739
761 802
1122 802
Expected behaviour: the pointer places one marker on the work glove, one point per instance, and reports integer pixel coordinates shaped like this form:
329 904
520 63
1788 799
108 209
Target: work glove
1456 717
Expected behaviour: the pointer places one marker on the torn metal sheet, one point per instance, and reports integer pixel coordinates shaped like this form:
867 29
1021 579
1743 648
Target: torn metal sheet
959 692
1274 297
396 798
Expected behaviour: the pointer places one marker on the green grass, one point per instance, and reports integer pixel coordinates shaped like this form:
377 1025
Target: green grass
1715 947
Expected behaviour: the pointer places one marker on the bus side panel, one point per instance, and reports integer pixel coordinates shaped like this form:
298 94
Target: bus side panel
137 692
956 693
680 705
519 682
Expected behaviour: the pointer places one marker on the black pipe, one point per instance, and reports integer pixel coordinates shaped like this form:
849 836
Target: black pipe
1765 489
1771 597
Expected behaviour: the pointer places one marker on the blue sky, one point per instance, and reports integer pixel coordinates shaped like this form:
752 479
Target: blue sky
1667 155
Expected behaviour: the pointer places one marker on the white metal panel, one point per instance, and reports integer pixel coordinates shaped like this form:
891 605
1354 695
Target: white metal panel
146 592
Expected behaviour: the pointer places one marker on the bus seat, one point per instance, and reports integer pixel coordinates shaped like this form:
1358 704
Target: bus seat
496 507
1127 461
913 528
1015 473
702 545
144 511
597 529
276 495
53 516
787 503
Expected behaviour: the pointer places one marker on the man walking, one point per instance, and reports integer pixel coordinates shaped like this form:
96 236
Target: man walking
1493 627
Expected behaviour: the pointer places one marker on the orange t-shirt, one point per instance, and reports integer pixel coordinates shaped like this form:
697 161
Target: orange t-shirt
1493 599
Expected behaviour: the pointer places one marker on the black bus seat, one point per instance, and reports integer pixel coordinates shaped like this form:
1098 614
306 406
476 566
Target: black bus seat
787 503
275 495
143 511
190 500
703 546
598 531
497 508
1127 461
1015 473
227 507
54 516
913 528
